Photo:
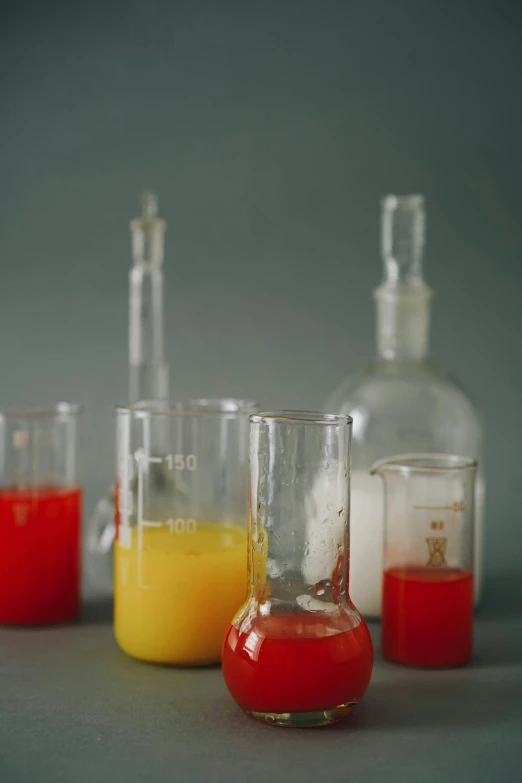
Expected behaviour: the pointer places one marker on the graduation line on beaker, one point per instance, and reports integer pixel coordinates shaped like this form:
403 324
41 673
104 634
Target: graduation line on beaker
143 522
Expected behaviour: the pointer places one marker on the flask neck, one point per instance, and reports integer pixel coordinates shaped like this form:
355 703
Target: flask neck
299 546
403 322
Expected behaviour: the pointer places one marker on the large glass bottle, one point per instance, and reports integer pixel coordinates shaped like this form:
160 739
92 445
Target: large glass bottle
148 370
401 402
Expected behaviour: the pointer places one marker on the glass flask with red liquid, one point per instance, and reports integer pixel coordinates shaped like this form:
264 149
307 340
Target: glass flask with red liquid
298 653
40 516
427 617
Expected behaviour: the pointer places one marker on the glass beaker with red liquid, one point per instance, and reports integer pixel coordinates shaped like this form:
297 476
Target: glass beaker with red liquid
298 653
427 617
40 515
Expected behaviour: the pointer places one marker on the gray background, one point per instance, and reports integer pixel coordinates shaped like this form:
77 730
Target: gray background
270 130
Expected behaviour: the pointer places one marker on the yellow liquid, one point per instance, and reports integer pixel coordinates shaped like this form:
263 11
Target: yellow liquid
175 596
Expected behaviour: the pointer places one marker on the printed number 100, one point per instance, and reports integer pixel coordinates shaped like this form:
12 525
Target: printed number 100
180 525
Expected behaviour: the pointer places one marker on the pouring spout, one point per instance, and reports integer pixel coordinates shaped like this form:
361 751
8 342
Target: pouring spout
422 463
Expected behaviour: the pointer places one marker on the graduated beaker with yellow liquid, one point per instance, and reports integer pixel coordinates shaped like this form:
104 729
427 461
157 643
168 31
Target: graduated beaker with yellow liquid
181 518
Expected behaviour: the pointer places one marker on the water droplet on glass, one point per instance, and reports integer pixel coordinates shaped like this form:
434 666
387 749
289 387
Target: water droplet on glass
321 587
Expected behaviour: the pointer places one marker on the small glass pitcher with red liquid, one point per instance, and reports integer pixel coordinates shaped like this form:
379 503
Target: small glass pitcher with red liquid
40 515
427 615
298 653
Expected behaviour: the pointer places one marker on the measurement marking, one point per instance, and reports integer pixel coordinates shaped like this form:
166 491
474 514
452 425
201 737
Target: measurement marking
433 508
181 462
141 523
437 552
140 518
141 457
125 537
180 525
457 505
124 572
20 439
150 523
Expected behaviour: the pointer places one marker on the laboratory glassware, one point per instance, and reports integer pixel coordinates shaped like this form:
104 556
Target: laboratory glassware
298 653
181 515
148 370
40 515
427 614
401 402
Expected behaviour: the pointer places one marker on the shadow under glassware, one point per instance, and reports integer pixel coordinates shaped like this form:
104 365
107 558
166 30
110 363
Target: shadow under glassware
455 702
298 653
181 519
97 610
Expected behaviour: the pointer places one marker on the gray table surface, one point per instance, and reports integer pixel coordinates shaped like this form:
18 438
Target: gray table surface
76 709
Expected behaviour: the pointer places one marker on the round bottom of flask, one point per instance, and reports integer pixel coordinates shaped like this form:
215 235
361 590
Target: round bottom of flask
304 720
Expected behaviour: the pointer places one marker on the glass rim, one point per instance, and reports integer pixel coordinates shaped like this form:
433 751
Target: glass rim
429 462
394 201
301 417
41 411
201 406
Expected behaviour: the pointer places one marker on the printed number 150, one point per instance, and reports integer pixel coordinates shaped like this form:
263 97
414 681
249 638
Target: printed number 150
181 462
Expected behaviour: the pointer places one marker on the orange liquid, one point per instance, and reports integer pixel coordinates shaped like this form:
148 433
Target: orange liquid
427 616
175 595
298 663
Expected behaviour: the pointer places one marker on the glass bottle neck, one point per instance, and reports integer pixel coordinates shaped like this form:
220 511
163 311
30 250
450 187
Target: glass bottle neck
403 299
403 322
148 371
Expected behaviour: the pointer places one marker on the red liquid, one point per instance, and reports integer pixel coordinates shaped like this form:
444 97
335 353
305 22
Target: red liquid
39 555
427 616
297 663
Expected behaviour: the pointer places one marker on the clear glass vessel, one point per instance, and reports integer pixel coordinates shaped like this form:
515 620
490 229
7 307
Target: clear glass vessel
181 519
427 614
148 370
298 652
40 515
401 402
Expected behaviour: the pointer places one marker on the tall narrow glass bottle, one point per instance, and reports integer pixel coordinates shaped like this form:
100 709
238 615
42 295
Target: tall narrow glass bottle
401 402
148 370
